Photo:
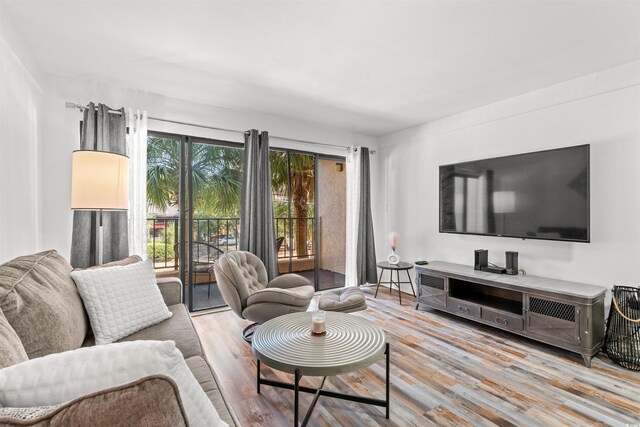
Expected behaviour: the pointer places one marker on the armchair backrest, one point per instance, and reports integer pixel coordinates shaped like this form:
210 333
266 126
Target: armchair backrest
239 274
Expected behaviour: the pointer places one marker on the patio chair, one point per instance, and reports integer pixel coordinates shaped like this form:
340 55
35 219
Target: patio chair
204 257
245 287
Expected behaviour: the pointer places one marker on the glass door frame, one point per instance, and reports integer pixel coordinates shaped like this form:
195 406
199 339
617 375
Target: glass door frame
185 208
188 144
186 204
316 229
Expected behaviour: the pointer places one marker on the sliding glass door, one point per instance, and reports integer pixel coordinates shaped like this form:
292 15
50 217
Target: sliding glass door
293 184
212 208
331 220
193 189
310 236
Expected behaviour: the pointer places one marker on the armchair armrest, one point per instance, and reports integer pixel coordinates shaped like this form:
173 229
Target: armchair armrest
154 399
287 281
171 290
298 297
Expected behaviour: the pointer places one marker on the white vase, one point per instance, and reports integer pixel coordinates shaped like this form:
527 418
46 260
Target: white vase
393 258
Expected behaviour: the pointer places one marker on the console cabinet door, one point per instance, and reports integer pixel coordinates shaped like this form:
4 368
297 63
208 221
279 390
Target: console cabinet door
556 320
432 289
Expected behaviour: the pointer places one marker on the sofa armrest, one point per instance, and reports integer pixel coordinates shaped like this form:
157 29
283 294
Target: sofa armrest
152 400
288 281
171 290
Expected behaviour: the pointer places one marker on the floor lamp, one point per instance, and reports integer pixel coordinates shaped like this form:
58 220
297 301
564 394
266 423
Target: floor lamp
99 182
504 202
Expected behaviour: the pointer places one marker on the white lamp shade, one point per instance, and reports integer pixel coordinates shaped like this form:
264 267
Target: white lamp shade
99 180
504 202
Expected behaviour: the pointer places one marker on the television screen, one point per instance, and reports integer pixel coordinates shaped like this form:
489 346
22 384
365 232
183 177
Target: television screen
541 195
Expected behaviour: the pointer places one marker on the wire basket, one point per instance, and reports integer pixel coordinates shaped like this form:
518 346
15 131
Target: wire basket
622 340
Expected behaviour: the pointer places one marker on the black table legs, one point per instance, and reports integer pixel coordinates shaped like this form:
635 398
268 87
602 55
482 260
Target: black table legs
258 376
320 391
379 279
296 394
396 282
388 383
411 283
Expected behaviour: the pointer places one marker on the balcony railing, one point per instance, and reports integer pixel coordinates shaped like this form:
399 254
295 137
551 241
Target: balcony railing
164 234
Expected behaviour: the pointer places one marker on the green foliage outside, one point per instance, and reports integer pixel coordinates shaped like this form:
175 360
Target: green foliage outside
217 185
162 252
216 174
301 178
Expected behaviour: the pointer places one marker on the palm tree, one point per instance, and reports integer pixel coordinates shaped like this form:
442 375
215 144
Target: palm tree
217 182
163 172
302 178
216 174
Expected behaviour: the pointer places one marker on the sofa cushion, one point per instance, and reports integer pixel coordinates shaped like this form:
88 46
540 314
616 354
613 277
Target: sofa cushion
42 304
59 378
177 328
121 300
11 348
201 369
132 259
150 401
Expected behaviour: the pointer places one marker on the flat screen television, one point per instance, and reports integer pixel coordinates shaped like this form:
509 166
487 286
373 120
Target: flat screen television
540 195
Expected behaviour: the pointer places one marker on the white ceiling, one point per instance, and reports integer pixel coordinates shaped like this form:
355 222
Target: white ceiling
370 67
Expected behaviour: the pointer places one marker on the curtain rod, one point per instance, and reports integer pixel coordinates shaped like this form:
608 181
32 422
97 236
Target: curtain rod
282 138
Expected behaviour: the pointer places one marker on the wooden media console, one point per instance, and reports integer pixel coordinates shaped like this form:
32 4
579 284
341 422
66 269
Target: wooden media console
564 314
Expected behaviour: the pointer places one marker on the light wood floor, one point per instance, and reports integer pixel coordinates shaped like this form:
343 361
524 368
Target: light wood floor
444 371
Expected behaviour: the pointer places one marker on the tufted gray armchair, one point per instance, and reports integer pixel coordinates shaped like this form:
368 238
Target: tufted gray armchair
245 287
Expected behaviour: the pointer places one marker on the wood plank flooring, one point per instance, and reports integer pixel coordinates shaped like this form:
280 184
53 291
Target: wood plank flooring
444 371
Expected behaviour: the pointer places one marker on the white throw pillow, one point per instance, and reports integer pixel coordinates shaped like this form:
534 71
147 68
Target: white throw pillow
120 300
61 377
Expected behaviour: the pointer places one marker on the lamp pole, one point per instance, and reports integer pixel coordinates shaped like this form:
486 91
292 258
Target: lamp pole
100 240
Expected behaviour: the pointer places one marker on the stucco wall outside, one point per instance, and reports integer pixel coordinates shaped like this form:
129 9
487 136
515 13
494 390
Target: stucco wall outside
332 213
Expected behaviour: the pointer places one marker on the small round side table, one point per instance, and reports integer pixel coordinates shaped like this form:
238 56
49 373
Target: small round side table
406 266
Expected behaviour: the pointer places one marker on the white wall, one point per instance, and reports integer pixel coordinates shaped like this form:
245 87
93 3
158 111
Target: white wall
602 109
61 137
20 126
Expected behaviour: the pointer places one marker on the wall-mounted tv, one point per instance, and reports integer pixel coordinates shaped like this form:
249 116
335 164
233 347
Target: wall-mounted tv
540 195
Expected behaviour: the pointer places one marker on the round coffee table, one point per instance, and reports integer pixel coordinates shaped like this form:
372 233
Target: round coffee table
351 343
385 265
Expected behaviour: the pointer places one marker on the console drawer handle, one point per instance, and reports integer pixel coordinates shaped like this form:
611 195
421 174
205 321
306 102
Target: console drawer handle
463 309
501 321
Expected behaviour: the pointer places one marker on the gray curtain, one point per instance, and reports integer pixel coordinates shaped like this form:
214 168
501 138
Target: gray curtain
101 131
257 230
366 249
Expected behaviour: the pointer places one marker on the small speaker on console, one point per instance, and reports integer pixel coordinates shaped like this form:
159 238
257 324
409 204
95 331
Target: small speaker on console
512 262
481 259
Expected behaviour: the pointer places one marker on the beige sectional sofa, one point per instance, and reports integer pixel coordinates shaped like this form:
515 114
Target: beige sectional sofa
41 313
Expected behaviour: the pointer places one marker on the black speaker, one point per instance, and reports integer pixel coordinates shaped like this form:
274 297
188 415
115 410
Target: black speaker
481 259
512 262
